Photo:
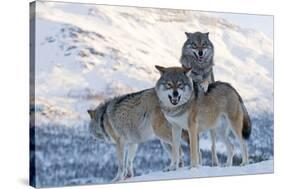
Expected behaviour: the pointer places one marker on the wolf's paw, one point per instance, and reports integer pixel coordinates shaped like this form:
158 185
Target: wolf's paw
215 163
228 164
204 86
170 168
116 179
128 175
181 164
166 169
194 165
243 164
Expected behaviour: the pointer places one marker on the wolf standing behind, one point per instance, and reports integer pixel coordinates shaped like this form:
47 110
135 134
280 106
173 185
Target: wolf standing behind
198 54
186 111
129 120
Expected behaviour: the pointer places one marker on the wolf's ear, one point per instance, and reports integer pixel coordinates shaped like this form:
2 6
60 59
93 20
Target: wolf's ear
207 34
187 71
161 69
92 113
187 34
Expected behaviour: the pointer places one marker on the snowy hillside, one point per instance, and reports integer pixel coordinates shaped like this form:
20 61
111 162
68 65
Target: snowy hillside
183 173
88 53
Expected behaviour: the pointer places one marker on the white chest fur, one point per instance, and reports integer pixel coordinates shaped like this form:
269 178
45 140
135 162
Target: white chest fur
180 121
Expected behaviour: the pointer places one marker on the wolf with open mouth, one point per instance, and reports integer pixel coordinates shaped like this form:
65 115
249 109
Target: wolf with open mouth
186 111
198 53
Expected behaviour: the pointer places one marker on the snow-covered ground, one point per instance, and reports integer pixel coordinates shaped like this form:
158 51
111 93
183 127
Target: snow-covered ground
204 171
87 53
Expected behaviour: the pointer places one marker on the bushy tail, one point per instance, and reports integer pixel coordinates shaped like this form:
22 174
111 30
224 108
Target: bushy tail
247 124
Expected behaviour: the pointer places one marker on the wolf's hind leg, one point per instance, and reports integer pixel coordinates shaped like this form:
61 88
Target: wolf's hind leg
199 152
215 161
120 150
237 128
229 146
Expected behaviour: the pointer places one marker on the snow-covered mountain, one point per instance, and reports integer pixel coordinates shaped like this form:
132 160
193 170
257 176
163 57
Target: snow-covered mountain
87 53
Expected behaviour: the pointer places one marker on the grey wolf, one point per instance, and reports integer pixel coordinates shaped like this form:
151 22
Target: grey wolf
198 54
186 111
129 120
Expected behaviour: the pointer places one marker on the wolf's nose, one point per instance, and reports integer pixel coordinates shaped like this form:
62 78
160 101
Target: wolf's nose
200 53
175 93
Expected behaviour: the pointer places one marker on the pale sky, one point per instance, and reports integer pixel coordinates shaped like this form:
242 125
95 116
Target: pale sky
263 23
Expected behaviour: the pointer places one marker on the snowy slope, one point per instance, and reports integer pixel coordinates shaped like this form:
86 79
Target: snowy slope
87 53
183 173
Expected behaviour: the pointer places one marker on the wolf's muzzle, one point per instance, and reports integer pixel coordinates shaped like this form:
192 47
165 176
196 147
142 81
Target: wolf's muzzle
174 99
175 93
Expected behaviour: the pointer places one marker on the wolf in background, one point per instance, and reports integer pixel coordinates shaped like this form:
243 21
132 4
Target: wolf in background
198 54
129 120
186 111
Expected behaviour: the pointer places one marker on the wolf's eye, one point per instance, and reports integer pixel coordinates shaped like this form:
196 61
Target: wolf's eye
180 86
168 86
204 45
193 45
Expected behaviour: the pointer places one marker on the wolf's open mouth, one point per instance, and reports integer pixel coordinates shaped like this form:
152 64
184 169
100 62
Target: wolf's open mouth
174 100
199 58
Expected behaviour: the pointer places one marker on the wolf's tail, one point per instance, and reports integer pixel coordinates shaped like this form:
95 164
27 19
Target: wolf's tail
247 124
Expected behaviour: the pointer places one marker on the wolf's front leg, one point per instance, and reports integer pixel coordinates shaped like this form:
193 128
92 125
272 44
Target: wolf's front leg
193 135
204 85
120 149
132 149
168 148
176 138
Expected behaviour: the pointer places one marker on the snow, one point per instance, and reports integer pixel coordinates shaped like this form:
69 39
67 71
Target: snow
204 171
